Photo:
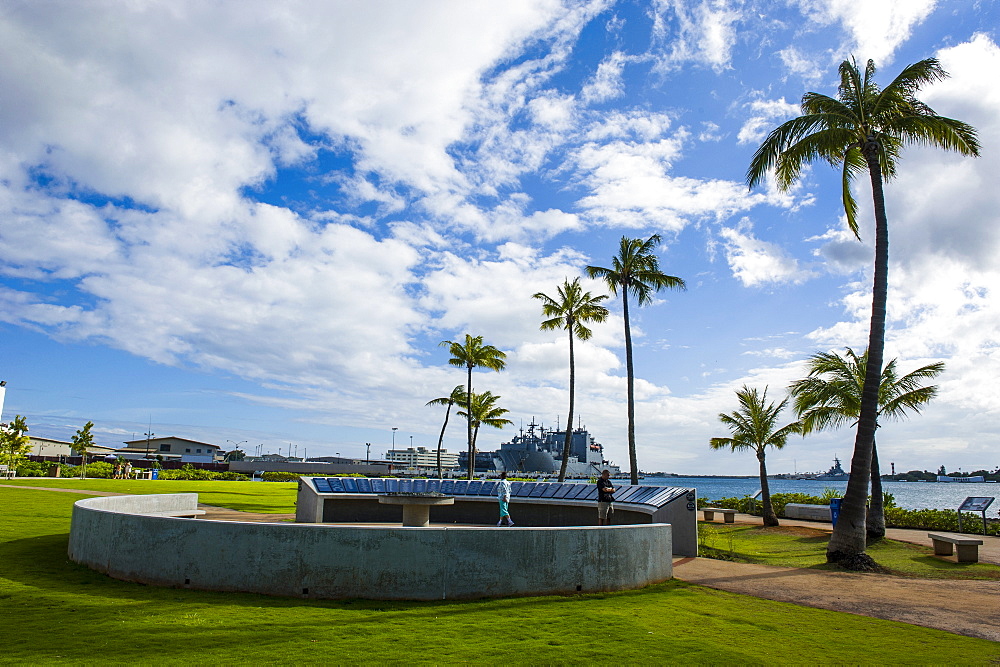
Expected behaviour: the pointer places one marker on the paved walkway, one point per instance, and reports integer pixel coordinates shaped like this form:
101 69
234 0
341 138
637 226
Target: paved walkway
967 607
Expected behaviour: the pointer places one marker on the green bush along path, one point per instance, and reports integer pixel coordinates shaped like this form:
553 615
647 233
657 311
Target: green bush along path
55 611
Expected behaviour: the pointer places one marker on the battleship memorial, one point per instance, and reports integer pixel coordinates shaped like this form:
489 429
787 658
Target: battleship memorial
354 538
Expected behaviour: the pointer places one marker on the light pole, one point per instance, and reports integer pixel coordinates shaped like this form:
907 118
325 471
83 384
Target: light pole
394 429
236 447
368 453
148 436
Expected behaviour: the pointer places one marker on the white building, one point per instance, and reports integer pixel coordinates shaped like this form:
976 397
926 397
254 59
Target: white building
421 457
171 449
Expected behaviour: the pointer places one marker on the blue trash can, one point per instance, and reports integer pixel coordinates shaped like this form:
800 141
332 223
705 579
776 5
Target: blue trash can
835 510
156 473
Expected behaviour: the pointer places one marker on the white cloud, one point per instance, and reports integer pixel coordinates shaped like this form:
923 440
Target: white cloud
755 262
705 31
607 83
876 28
765 115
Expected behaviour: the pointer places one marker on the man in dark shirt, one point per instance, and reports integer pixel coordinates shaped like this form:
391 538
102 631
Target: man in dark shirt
605 498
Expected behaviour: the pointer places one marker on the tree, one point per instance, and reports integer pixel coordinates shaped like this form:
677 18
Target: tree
570 310
483 410
636 271
457 396
474 354
753 428
13 441
864 128
82 442
235 455
830 397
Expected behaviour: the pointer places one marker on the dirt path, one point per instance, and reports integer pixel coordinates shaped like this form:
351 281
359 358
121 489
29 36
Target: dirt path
969 608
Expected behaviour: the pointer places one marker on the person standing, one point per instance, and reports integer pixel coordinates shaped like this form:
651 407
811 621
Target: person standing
605 498
127 471
503 495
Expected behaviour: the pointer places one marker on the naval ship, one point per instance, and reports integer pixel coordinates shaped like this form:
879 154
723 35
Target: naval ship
834 474
539 450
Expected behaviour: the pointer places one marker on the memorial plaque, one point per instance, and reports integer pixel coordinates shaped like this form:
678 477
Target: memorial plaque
350 485
364 485
419 485
474 487
975 504
336 485
378 485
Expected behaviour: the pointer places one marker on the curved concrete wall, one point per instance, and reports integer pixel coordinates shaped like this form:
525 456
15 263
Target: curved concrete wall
112 536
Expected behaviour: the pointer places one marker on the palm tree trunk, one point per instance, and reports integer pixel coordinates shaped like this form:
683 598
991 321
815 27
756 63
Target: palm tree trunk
770 518
847 543
447 413
875 521
468 424
569 422
631 390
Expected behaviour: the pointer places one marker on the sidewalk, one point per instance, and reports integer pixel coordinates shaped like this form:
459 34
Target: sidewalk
966 607
963 607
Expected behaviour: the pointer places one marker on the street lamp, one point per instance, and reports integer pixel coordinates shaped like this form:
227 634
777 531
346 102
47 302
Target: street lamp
368 452
236 446
394 429
148 436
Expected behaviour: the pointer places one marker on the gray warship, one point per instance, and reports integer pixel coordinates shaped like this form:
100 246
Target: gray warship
539 450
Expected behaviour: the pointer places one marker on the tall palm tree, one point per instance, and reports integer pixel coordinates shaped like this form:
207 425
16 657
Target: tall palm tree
482 410
473 353
865 127
457 395
754 427
634 270
570 310
830 397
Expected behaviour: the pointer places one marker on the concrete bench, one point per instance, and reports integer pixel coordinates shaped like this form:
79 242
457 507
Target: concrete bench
728 516
6 472
967 547
184 514
807 512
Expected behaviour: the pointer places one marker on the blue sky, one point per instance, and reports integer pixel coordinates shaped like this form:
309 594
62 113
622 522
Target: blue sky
256 221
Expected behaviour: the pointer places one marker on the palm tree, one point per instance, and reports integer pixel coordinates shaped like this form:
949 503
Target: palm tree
474 354
753 428
865 127
570 310
482 409
457 396
636 271
830 397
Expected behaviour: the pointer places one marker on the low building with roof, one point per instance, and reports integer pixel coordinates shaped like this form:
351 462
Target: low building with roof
171 448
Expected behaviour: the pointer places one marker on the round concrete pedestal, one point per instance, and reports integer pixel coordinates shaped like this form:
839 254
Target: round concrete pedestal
416 509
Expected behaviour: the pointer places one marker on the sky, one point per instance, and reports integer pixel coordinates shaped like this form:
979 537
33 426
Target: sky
252 223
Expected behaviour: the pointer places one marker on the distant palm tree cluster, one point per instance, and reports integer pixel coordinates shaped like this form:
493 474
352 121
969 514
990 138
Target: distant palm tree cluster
634 271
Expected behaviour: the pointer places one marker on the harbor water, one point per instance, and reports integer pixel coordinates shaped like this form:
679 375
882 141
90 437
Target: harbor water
908 495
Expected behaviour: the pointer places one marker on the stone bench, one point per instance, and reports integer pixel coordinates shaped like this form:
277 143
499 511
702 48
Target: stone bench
807 512
6 472
967 547
728 516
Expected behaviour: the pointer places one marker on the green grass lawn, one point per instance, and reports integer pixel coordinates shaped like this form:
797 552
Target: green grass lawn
794 546
264 497
56 611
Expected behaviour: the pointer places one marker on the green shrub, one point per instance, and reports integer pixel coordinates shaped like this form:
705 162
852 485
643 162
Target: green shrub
98 470
280 477
229 476
897 517
32 469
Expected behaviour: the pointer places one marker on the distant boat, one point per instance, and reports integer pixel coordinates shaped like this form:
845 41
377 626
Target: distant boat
834 474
